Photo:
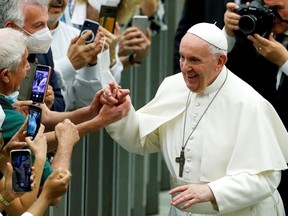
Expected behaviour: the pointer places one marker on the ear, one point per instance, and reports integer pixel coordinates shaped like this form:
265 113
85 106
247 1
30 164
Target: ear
222 60
10 24
4 75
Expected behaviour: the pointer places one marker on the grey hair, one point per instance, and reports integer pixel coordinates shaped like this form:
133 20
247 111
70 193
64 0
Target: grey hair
216 51
12 46
11 10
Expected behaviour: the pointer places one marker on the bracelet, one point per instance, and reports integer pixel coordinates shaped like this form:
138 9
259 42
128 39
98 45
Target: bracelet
4 201
132 60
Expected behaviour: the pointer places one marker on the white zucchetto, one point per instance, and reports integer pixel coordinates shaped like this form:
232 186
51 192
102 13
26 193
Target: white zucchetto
210 33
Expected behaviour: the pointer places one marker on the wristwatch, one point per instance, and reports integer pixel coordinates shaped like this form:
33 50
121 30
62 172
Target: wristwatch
132 60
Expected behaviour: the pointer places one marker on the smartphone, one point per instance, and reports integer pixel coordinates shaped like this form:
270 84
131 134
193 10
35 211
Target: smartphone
34 120
26 85
40 83
21 163
141 22
90 25
107 17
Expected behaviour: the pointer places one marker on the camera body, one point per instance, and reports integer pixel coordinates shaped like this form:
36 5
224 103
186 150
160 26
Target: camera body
255 18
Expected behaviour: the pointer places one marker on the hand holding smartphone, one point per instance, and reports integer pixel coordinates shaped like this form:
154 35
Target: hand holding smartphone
89 25
34 120
21 163
141 22
40 83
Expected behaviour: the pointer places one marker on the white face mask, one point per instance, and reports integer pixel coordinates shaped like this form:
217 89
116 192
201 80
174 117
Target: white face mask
103 63
39 42
97 3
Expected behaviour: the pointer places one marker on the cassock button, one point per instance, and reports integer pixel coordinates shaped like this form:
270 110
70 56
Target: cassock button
197 104
189 159
187 170
191 137
188 148
195 115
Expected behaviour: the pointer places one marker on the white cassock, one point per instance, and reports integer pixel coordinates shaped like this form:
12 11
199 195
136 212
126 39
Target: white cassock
239 147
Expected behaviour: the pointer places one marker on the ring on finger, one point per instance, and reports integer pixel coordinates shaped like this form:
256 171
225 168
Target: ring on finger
104 94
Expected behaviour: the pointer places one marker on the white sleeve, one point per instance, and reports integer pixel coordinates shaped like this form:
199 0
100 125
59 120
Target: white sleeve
239 191
65 68
27 214
87 82
230 40
85 86
284 68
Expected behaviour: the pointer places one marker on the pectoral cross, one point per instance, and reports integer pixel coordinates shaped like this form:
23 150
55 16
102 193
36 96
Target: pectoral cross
181 161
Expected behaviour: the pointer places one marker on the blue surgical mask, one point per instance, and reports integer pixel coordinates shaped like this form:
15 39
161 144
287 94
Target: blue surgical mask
12 98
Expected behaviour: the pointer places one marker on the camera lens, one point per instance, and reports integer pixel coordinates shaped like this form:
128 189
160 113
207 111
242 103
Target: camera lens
247 23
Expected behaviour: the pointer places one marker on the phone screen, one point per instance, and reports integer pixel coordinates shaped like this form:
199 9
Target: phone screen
107 17
34 121
40 83
21 162
90 25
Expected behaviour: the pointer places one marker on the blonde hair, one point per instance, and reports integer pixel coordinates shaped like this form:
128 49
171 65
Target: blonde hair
126 10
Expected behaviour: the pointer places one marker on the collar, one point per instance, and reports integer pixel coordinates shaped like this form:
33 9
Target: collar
217 83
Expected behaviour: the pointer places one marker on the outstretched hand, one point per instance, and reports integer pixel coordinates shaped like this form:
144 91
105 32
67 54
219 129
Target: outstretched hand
114 94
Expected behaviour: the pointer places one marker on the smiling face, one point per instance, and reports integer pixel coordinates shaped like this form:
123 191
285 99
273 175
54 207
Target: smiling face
55 9
198 65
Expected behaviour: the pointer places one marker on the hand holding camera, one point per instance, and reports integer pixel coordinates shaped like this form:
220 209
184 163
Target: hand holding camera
255 18
249 19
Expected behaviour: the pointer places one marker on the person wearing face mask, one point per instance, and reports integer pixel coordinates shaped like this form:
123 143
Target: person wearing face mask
261 59
19 15
79 65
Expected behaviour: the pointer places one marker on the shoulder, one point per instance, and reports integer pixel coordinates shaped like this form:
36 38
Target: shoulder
5 104
69 28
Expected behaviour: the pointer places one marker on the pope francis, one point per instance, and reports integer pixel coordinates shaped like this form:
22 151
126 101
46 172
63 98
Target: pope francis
223 143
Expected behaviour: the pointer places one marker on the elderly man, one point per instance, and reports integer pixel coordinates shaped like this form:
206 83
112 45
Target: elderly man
223 143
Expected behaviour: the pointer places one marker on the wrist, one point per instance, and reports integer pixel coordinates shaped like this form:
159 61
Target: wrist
132 60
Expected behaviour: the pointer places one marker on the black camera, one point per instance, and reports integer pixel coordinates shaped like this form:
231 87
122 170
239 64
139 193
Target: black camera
256 18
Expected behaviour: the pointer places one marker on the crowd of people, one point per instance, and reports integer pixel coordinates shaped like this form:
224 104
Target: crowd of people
205 134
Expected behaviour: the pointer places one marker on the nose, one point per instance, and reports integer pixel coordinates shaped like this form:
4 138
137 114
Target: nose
185 65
